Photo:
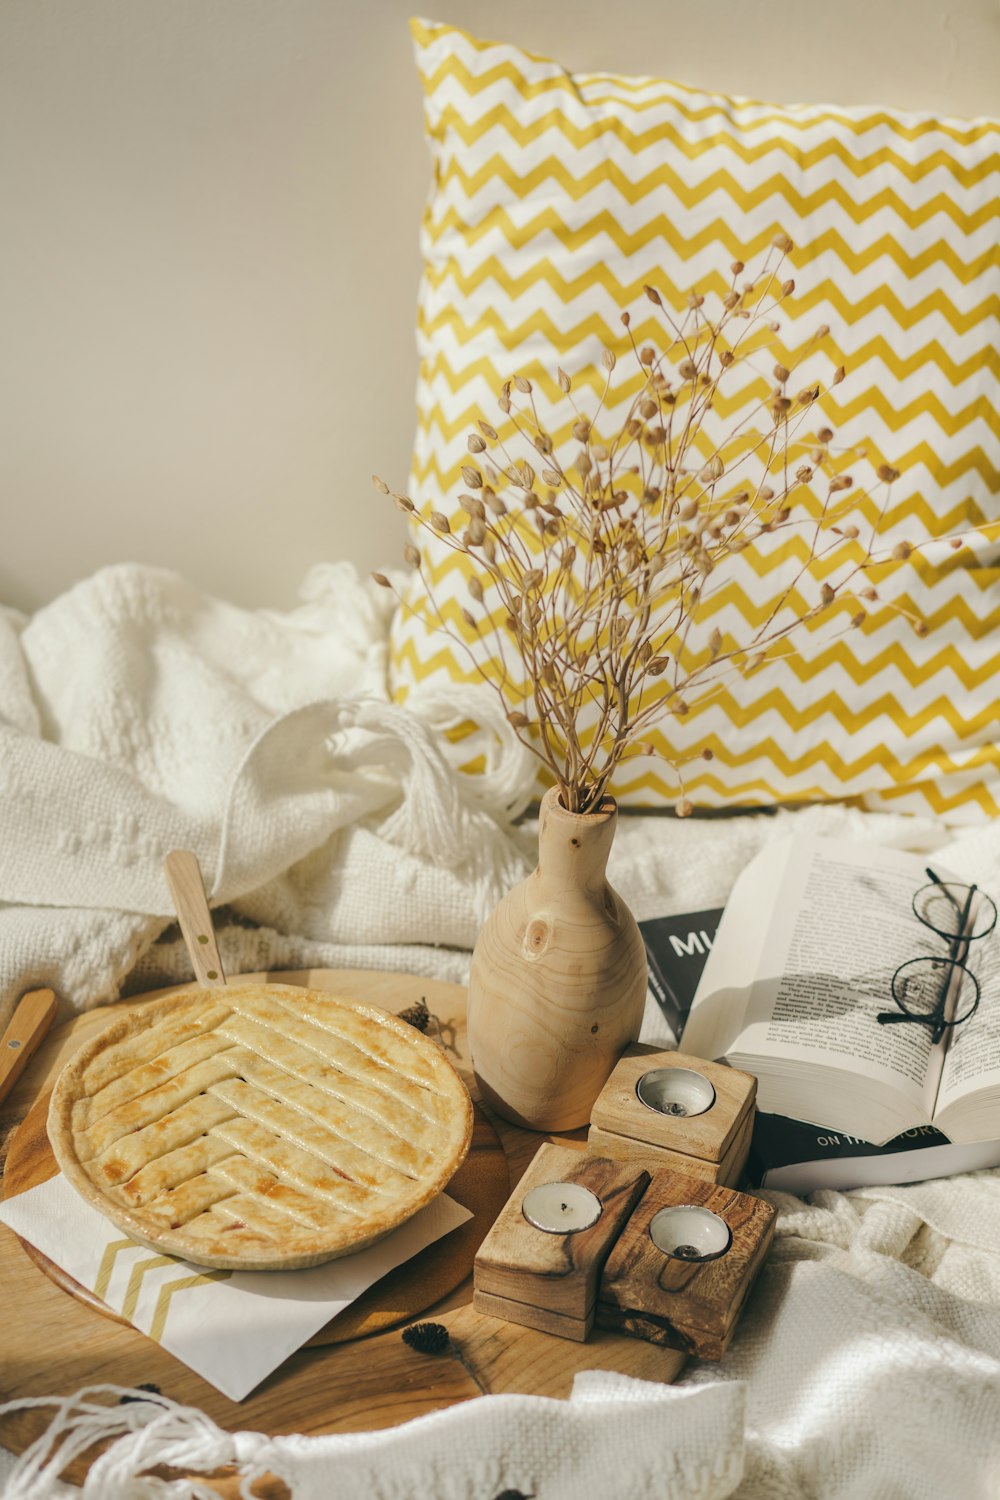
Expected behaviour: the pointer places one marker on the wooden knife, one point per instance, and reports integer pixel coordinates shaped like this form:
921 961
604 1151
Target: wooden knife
32 1018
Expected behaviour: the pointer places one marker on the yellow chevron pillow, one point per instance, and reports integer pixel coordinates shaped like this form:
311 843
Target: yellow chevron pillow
556 197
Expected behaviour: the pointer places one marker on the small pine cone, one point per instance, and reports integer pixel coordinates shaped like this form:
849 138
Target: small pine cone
147 1385
427 1338
417 1016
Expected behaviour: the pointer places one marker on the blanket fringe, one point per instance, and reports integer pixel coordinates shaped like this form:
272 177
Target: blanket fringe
144 1431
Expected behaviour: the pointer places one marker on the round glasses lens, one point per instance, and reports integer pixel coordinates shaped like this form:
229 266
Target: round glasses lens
921 988
941 905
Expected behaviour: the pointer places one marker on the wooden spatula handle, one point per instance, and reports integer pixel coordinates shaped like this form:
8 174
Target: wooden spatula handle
187 888
32 1018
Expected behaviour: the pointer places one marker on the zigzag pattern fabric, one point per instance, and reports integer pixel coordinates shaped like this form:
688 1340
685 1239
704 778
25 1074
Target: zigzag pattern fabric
555 198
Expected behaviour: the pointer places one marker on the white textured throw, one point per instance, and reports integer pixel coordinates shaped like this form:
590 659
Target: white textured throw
138 715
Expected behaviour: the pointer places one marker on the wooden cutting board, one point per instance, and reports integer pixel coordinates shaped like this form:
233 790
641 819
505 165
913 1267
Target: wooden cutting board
55 1342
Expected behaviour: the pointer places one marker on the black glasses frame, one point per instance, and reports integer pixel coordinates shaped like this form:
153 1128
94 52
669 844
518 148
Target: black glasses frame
958 948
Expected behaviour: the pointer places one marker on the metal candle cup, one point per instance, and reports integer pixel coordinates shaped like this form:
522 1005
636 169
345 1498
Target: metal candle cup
561 1207
675 1091
689 1232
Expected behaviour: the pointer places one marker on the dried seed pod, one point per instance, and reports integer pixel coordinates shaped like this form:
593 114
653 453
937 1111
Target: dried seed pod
487 431
827 594
840 482
403 503
472 477
518 720
522 384
887 474
781 373
715 641
475 443
653 296
683 808
608 360
411 554
902 551
380 485
440 522
382 581
565 384
783 243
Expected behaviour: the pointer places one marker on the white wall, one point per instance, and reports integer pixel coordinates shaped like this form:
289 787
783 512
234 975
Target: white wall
208 254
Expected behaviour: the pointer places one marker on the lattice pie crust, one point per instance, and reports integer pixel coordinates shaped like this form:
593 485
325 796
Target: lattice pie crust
259 1127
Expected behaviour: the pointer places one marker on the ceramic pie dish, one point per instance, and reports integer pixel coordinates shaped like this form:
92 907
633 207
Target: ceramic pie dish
259 1126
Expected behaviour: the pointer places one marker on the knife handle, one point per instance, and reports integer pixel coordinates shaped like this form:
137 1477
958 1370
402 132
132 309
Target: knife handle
191 905
32 1018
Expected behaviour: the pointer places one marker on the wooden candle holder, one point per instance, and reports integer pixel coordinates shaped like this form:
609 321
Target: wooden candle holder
684 1303
549 1280
712 1145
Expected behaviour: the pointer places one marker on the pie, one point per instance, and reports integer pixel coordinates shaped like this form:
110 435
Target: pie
259 1126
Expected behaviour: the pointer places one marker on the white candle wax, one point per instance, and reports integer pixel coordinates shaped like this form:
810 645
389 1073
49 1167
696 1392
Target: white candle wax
675 1091
561 1207
690 1232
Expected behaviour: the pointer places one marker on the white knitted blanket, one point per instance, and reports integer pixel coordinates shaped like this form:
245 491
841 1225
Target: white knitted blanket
138 715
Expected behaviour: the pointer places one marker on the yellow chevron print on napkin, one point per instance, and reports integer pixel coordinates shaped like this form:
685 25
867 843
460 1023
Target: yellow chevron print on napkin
555 198
232 1327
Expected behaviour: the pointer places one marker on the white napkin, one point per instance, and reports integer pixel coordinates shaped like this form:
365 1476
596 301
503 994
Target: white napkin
232 1327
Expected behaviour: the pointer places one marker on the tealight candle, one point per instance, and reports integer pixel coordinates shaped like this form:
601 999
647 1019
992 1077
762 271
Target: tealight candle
675 1091
561 1207
688 1232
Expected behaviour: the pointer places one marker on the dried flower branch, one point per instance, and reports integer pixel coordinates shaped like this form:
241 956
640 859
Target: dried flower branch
593 578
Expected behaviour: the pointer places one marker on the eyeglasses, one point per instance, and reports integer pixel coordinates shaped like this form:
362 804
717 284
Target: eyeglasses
922 987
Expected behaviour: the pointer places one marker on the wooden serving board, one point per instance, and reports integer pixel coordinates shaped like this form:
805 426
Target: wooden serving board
54 1342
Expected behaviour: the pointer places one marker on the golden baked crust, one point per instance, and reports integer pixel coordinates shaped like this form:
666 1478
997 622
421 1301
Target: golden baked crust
259 1127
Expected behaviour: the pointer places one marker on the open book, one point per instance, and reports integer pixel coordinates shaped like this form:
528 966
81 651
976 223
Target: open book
801 968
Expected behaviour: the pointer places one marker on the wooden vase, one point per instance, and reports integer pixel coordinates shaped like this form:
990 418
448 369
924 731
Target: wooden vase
558 981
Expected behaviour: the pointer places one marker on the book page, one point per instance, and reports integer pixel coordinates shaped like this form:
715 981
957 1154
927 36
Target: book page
720 1000
972 1060
844 924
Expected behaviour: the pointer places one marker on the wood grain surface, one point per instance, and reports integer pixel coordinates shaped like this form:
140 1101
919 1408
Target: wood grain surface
558 979
691 1305
539 1275
709 1135
54 1344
